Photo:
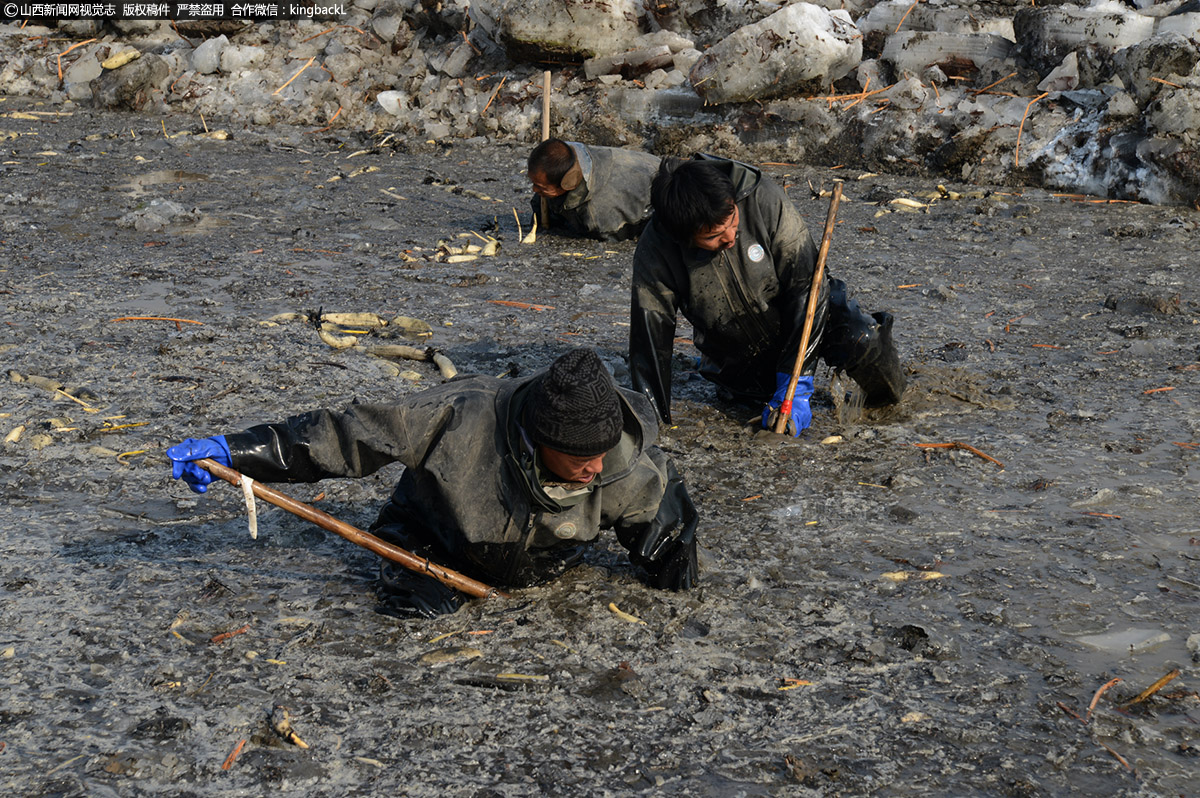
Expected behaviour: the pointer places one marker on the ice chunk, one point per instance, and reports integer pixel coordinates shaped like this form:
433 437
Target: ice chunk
631 63
393 101
1144 66
909 94
1188 24
238 57
157 215
131 86
914 51
388 19
686 59
671 39
1047 34
1064 77
206 58
249 89
456 65
869 73
574 29
1176 112
79 28
344 66
709 22
655 105
1131 641
892 15
800 49
86 69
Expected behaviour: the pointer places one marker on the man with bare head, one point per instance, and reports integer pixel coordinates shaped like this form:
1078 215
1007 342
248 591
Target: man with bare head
727 248
591 191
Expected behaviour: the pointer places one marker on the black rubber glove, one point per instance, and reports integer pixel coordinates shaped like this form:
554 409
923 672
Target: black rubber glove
666 547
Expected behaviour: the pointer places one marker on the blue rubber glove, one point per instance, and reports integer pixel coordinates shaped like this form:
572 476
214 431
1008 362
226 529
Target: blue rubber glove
801 415
183 454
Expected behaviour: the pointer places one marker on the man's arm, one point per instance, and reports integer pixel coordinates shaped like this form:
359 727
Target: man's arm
352 443
652 311
303 448
660 535
319 444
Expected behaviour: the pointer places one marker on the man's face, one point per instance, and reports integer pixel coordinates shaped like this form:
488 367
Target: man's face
719 236
570 467
544 187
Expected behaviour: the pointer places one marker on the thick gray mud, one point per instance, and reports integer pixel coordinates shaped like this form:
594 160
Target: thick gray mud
144 635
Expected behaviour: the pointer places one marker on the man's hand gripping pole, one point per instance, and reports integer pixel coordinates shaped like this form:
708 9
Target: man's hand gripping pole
785 407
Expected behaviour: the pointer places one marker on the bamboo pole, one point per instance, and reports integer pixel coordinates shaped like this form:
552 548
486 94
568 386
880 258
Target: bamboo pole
785 408
545 134
353 534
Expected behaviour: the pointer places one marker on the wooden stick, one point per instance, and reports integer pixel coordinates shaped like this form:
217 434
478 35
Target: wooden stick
307 64
322 33
1070 712
1152 689
1021 127
493 97
355 535
906 13
221 638
546 105
785 409
545 135
1116 756
64 52
156 318
1100 692
512 303
233 755
959 445
994 83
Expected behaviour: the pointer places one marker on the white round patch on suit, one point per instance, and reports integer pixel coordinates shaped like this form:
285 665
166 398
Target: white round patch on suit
756 253
565 531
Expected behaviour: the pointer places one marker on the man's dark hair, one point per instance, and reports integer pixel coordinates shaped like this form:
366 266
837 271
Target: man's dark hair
690 197
553 158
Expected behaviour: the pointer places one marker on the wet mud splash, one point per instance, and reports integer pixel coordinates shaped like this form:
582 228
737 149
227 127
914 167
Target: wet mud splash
875 617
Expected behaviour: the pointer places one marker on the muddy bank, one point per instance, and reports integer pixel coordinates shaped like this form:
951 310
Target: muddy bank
145 635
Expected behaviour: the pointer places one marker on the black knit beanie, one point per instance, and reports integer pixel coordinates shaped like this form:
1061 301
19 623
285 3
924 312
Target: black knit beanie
574 408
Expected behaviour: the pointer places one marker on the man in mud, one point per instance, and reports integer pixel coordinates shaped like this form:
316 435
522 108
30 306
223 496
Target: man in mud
727 248
506 481
595 192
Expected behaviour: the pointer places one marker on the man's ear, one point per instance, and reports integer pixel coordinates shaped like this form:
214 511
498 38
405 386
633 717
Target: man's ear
572 178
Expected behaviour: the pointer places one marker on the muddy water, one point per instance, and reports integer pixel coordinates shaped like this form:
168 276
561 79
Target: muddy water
144 635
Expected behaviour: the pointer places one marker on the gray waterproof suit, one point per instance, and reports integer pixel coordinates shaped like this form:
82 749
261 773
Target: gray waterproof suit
612 203
746 304
468 497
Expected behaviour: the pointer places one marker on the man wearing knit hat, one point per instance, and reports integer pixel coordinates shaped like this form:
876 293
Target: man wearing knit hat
506 481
